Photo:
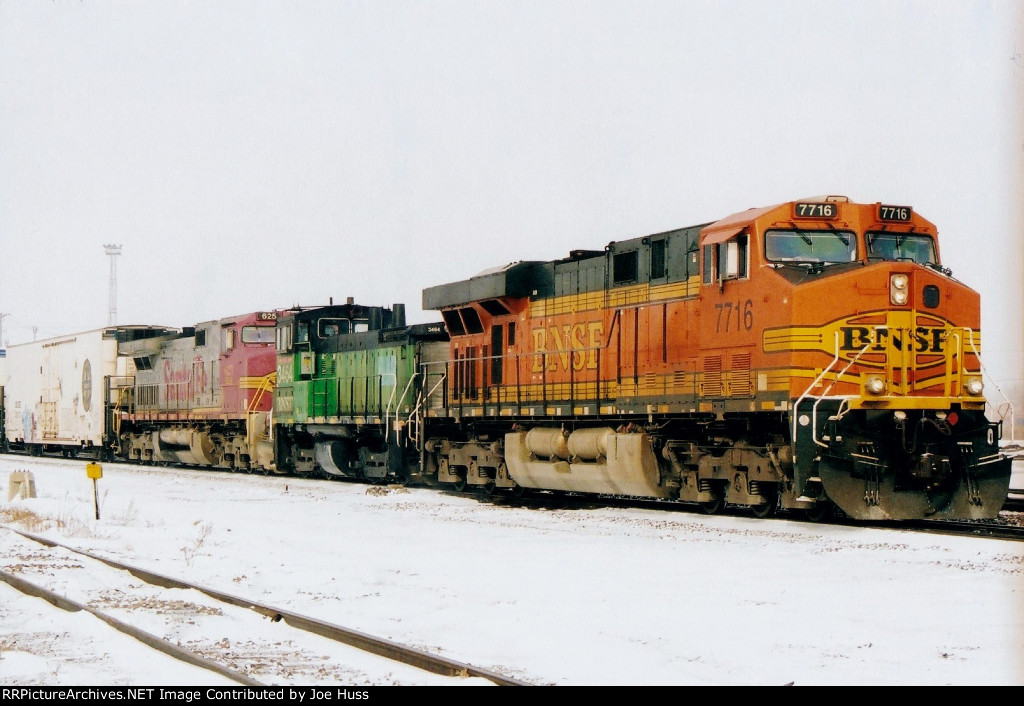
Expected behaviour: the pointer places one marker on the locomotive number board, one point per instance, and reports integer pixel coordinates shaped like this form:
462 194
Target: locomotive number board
266 316
818 211
894 213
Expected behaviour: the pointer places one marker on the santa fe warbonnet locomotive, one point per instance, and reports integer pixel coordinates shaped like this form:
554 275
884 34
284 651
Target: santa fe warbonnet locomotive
804 356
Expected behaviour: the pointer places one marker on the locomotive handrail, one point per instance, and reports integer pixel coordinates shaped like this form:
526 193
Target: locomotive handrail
118 388
267 383
491 390
984 372
950 388
814 410
807 392
387 411
419 403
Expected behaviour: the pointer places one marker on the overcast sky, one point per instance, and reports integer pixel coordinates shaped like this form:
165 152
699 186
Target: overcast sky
250 155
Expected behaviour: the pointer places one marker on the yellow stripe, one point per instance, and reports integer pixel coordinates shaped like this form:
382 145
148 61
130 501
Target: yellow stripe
253 383
616 297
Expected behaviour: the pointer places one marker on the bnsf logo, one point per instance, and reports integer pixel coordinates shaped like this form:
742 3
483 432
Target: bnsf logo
880 335
923 339
567 345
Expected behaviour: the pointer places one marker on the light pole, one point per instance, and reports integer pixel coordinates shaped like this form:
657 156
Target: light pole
112 252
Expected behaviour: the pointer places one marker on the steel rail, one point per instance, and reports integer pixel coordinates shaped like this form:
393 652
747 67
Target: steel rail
382 647
158 643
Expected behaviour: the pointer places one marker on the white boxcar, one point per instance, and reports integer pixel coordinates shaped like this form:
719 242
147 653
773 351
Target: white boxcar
55 391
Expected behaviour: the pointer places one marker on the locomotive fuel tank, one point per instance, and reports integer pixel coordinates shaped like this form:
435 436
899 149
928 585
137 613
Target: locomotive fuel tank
584 461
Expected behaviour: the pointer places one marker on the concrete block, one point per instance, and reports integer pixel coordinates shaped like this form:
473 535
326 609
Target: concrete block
21 485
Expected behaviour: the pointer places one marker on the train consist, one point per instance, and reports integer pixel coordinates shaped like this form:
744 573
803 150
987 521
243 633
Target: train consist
806 356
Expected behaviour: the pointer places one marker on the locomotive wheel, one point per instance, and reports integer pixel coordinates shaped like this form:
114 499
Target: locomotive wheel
518 491
715 505
763 511
769 507
821 511
459 485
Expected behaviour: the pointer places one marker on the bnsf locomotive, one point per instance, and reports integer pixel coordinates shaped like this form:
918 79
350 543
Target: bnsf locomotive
806 356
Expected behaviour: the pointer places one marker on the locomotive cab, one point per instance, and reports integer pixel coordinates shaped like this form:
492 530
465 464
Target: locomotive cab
873 349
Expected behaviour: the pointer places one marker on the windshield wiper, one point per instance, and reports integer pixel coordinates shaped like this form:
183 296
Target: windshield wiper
939 268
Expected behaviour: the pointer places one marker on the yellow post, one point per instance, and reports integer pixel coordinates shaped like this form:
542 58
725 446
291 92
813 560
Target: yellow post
94 471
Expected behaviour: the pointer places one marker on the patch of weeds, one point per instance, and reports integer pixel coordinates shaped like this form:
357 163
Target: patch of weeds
191 551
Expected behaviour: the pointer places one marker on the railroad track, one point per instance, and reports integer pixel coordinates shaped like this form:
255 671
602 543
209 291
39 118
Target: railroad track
1007 526
261 644
968 528
1004 527
1010 524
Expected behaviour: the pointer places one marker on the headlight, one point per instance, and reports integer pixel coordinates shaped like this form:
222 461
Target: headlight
899 289
875 385
974 386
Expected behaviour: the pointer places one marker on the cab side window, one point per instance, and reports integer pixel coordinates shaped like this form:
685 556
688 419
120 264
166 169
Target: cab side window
728 260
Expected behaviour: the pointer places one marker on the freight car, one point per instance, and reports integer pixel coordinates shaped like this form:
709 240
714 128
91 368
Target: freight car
56 398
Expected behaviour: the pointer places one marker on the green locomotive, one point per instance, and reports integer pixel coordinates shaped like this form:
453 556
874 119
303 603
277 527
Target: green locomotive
348 389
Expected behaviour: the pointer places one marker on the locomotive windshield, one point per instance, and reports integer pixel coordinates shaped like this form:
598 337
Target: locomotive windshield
258 334
812 246
902 246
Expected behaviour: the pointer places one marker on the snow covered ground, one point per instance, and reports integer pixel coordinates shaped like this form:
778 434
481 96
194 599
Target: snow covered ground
568 597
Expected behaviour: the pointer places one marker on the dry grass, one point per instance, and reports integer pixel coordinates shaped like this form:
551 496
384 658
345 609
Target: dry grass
27 519
192 551
385 490
65 523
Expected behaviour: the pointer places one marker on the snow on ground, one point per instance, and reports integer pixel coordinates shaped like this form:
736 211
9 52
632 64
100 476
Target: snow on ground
568 596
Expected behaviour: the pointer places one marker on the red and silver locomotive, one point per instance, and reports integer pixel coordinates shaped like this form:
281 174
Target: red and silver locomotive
201 396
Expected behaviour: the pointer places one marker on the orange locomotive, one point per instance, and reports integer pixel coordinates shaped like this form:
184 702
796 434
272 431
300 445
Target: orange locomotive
804 356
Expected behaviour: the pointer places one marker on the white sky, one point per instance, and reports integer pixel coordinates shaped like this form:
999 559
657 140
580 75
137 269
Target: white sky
570 597
252 155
